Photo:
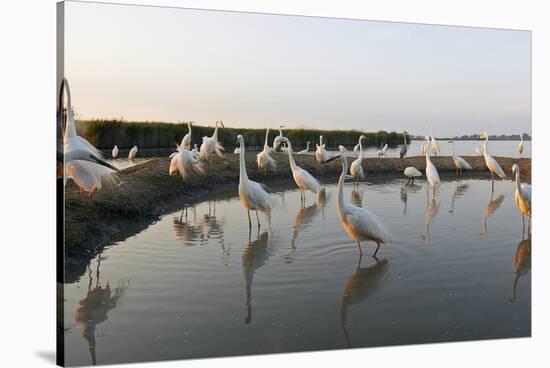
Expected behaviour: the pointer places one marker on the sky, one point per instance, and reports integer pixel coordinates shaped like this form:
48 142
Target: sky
260 70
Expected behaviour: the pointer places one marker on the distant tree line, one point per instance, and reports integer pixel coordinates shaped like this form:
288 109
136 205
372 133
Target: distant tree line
105 134
475 137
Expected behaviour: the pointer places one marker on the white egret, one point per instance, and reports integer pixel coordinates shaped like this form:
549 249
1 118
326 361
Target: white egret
356 148
491 163
342 149
431 172
263 159
321 155
304 180
478 151
423 148
252 195
460 163
114 152
356 168
404 148
83 163
186 141
278 139
91 177
304 151
520 145
237 150
132 154
210 145
382 152
183 160
411 173
435 146
359 223
522 195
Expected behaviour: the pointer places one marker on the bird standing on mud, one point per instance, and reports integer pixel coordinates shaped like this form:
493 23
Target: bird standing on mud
252 195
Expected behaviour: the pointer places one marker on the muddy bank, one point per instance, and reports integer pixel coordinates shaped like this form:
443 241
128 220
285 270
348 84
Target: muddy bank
148 191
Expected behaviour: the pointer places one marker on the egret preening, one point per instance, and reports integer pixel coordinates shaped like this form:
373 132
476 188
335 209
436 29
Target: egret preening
321 155
252 195
263 159
359 223
210 145
460 163
304 151
186 141
403 151
431 172
304 180
382 152
132 154
183 160
114 153
520 145
356 168
522 195
491 163
342 149
83 163
278 139
411 173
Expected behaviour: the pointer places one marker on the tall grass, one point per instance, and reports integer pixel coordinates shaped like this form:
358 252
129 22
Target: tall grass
105 134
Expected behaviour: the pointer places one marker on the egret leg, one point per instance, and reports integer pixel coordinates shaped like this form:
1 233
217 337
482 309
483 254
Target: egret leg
91 195
359 246
258 219
249 220
376 251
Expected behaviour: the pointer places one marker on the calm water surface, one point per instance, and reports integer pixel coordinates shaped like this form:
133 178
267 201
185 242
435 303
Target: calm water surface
196 285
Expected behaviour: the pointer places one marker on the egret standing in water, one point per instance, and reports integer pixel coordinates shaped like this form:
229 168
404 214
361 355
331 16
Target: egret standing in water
522 195
460 163
411 173
252 195
431 172
491 163
263 159
210 145
114 153
132 154
403 151
278 139
304 180
304 151
435 146
520 145
356 168
321 155
359 223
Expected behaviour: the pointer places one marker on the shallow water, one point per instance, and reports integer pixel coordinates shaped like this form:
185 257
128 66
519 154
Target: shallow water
195 286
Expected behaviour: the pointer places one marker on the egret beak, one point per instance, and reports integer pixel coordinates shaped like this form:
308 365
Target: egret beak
103 162
331 159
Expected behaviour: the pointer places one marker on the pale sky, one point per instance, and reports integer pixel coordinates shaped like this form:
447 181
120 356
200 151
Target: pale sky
259 70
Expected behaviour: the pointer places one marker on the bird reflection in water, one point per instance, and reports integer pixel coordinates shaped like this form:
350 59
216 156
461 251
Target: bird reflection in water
322 200
357 197
458 191
94 307
489 209
188 233
404 194
432 207
255 255
522 264
304 217
360 286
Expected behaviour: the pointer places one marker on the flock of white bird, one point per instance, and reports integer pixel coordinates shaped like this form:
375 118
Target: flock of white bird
84 164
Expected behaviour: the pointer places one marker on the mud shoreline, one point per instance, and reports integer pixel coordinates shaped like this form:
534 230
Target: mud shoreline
147 192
